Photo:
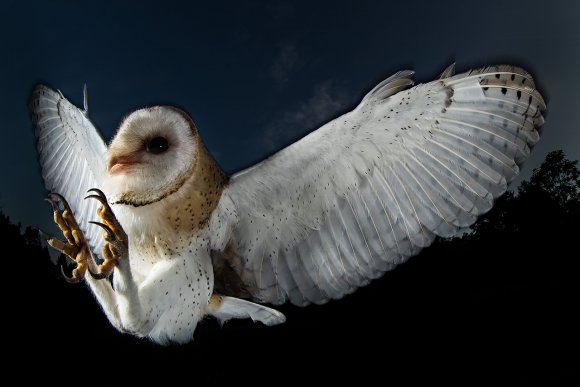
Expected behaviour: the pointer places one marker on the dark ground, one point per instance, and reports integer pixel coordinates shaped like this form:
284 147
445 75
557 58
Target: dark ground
497 308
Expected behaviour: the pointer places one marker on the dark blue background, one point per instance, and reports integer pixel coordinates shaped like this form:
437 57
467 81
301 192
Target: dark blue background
257 75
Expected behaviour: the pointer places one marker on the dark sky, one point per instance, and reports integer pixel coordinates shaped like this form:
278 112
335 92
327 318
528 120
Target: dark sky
256 75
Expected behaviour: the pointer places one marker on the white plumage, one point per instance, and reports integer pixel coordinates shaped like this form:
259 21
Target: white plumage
71 151
315 221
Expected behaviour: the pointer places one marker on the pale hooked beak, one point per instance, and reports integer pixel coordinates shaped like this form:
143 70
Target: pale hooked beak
120 164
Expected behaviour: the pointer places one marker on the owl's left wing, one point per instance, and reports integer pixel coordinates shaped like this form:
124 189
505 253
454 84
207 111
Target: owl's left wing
72 155
373 187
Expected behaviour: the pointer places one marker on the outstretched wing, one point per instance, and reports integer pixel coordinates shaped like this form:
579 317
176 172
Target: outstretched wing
72 155
373 187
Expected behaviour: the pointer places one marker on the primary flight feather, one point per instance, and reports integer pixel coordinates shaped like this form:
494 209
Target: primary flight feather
312 223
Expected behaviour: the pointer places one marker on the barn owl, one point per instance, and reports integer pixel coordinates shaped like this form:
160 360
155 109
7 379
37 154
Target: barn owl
312 223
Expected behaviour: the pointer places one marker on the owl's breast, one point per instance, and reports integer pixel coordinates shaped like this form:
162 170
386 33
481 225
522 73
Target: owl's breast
146 250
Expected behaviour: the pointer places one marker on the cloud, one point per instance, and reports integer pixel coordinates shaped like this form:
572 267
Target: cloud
328 100
287 60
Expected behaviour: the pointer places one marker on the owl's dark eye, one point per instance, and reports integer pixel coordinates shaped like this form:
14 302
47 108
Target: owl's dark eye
157 145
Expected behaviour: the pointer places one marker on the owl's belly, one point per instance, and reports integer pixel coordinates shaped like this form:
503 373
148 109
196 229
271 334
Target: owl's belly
174 290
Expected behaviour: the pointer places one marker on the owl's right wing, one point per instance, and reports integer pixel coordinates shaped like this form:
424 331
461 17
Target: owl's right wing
72 155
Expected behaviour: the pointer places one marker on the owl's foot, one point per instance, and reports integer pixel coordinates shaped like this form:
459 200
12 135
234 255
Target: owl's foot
76 247
117 244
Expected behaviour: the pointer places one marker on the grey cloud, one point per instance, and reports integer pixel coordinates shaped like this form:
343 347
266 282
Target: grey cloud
327 101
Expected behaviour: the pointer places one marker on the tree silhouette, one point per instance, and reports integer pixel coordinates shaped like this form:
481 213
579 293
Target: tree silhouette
558 178
496 307
549 202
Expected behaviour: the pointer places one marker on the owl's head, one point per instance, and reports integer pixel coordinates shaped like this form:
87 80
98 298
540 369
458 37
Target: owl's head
151 156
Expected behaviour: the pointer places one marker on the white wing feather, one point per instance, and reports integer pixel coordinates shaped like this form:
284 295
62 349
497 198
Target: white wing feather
72 155
373 187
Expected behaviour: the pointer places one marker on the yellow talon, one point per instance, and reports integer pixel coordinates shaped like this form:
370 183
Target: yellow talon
113 234
76 247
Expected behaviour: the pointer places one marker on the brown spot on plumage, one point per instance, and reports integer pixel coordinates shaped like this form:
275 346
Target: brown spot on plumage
205 181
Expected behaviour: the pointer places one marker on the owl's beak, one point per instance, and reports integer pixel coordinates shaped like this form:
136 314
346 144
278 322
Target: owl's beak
120 164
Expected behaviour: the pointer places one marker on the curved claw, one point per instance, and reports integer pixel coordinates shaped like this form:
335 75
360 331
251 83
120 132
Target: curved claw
110 232
52 204
70 280
99 198
98 276
62 200
43 235
98 191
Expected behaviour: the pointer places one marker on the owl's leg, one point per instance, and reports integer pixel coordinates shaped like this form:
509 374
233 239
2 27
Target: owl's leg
125 298
76 247
117 243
